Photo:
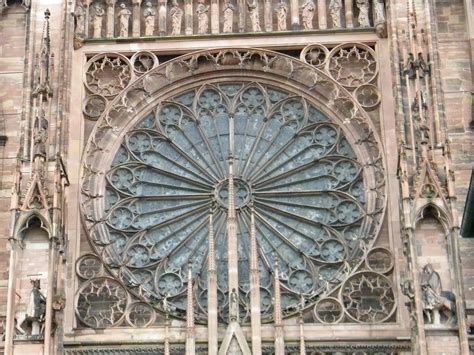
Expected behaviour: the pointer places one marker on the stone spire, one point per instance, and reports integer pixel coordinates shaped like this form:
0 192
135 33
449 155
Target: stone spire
212 326
43 65
190 339
279 340
254 286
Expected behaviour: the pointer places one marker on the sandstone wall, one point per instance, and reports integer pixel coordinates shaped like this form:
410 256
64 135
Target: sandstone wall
12 66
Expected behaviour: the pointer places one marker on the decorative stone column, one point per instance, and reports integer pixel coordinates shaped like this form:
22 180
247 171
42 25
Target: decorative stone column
215 16
188 17
110 26
322 16
348 6
162 17
295 15
242 15
136 18
268 15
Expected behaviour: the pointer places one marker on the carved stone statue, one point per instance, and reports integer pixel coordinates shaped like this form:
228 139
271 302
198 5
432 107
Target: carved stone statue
380 21
435 300
3 5
410 66
40 135
233 306
379 11
254 15
335 7
228 20
176 14
124 20
363 6
36 309
281 12
202 11
79 15
149 15
99 13
307 13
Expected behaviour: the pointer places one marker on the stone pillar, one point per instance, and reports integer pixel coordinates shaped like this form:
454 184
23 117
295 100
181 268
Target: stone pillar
87 17
242 15
162 17
348 6
215 16
136 18
268 15
322 15
295 15
188 17
212 327
255 314
190 338
110 19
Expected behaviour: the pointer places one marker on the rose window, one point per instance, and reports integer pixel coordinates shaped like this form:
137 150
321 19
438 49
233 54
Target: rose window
295 167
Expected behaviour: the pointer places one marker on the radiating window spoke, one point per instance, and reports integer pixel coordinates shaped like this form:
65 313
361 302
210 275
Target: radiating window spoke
293 164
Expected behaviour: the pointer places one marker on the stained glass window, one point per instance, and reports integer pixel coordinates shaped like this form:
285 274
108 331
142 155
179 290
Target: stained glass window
294 165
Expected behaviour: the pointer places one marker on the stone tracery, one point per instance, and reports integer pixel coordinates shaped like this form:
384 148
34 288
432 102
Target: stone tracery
193 178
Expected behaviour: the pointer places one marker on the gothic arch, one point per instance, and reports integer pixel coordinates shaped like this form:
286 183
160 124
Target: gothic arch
24 220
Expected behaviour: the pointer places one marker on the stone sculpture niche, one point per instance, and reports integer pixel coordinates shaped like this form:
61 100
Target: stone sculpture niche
438 304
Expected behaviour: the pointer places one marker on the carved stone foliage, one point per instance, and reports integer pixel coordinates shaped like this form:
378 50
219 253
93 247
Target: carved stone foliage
318 196
178 17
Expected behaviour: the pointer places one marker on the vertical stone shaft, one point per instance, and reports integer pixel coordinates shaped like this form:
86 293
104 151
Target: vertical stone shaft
409 101
254 288
242 15
87 17
167 336
302 342
212 292
110 25
190 340
439 134
232 245
268 15
295 14
162 17
322 17
215 16
279 340
136 18
348 9
188 17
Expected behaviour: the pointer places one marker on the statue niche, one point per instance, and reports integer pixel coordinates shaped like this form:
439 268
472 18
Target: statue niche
438 304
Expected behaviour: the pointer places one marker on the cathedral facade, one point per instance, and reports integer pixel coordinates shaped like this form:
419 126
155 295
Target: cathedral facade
236 177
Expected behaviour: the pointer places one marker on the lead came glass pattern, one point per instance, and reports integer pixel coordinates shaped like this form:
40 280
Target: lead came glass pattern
292 162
